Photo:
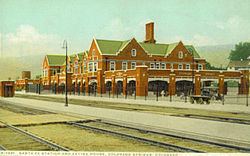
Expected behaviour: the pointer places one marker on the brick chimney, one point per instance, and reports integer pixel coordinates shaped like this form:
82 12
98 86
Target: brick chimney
150 33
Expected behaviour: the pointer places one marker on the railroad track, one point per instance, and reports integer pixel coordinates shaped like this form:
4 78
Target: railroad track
136 138
156 142
181 136
2 148
191 145
36 138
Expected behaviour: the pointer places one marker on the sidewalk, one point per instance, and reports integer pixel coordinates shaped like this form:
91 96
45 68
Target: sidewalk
167 103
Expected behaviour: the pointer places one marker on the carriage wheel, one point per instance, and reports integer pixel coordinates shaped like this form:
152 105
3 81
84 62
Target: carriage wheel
213 98
200 101
191 100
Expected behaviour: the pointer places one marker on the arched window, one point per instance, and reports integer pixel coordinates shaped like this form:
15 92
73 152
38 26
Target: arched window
112 65
133 52
200 67
180 55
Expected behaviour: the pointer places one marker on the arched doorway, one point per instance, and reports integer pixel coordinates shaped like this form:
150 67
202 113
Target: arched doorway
93 88
131 87
73 88
184 87
119 87
158 87
108 86
231 87
83 88
55 88
61 88
78 88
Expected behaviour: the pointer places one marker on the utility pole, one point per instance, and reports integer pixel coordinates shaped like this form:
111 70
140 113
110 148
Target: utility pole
65 45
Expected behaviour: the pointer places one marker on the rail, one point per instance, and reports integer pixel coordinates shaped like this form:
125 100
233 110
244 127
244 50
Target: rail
2 148
36 138
140 139
245 149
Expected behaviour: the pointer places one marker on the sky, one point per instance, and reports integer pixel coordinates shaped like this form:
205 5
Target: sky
33 27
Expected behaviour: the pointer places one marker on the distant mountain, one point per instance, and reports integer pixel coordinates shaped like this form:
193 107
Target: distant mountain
12 67
211 48
217 55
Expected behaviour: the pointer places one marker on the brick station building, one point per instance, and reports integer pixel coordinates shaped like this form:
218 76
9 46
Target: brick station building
132 67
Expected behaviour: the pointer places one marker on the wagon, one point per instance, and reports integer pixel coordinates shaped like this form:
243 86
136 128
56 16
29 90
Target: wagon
199 99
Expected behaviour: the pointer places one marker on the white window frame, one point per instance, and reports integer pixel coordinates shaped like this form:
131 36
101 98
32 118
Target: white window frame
133 65
124 64
180 54
188 66
152 65
163 65
133 52
112 63
76 65
45 72
90 66
68 68
200 66
95 66
85 67
180 65
157 65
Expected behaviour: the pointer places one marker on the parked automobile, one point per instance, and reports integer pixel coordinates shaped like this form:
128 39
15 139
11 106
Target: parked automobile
211 92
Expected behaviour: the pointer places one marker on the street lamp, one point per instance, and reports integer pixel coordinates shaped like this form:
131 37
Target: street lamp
65 45
247 89
192 72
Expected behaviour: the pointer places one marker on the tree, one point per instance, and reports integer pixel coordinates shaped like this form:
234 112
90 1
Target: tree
38 76
241 51
211 67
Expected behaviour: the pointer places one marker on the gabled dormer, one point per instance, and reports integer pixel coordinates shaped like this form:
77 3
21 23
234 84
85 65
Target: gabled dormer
129 48
132 50
94 51
52 64
178 52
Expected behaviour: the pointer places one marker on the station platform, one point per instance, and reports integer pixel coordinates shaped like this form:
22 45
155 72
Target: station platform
164 102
